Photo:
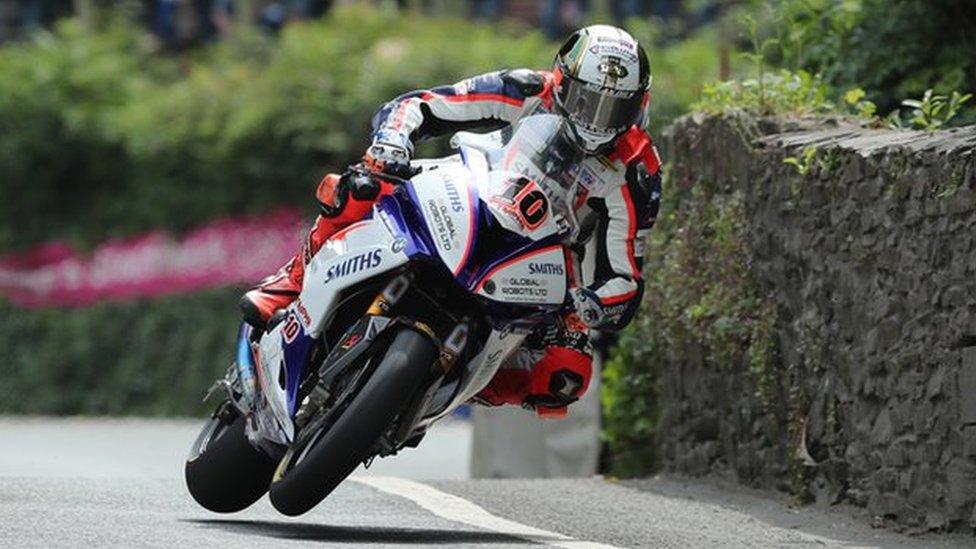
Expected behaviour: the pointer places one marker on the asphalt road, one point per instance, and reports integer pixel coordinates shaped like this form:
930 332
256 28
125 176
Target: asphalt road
118 483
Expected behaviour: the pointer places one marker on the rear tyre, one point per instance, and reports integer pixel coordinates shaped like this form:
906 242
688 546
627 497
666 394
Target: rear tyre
308 475
224 472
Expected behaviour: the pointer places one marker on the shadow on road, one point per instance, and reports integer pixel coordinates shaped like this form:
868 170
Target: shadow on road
365 534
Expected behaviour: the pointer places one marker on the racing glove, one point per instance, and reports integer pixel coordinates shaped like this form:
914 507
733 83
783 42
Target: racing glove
335 191
558 380
389 158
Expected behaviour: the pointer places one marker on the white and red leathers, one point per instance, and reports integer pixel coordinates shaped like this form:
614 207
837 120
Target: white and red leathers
617 205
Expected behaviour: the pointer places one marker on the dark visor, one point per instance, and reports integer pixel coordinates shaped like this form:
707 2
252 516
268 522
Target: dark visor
598 108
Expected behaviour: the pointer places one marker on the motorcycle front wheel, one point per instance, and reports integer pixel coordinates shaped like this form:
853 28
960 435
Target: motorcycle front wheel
309 473
224 472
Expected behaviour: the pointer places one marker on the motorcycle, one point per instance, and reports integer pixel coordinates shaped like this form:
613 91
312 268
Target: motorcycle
403 316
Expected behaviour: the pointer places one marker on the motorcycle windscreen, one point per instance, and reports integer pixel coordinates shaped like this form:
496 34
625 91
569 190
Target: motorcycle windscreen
532 187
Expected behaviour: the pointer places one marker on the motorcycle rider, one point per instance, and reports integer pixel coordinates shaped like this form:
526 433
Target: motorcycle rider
600 83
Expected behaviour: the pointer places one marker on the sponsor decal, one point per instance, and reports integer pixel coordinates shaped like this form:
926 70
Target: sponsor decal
356 263
444 229
616 50
612 69
291 328
492 359
537 277
350 341
587 177
525 287
398 244
303 316
546 268
457 205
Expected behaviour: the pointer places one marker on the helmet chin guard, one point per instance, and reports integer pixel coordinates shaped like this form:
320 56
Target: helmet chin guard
591 142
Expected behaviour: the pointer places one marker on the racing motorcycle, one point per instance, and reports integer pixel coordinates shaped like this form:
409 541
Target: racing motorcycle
403 317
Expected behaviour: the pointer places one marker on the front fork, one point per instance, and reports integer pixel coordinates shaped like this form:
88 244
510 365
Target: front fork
359 339
239 382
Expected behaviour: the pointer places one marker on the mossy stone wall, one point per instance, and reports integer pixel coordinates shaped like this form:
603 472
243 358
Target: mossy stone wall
862 389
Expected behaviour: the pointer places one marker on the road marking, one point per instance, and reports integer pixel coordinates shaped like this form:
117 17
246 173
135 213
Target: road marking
458 509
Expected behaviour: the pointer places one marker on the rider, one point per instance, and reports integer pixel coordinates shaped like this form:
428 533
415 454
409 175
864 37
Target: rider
600 83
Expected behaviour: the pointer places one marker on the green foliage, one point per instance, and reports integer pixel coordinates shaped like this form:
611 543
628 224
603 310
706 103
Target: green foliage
630 412
804 163
700 296
862 108
813 160
933 111
678 69
783 93
148 358
857 45
894 48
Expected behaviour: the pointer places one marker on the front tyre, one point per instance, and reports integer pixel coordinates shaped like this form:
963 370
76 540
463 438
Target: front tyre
224 472
307 475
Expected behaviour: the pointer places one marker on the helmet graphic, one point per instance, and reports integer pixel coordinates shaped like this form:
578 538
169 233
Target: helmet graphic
603 78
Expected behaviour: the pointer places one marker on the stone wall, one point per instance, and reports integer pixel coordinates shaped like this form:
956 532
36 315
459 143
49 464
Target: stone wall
870 261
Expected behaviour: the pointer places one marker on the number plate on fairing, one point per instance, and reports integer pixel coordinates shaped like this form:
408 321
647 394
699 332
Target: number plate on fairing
535 278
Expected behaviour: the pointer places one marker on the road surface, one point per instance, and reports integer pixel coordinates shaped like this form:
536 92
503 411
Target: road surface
118 483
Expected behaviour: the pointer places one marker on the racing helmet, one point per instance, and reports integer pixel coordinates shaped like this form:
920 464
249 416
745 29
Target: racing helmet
603 80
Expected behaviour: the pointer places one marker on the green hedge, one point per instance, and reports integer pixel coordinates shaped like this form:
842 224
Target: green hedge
139 357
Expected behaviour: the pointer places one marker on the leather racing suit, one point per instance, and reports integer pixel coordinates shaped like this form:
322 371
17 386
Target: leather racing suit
616 207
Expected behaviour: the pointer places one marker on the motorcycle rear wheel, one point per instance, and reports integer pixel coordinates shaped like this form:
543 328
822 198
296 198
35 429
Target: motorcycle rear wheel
224 472
308 474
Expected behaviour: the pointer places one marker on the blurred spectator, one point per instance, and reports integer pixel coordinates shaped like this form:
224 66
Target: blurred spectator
560 17
706 13
41 13
489 10
275 15
164 22
206 30
223 15
399 4
625 9
318 8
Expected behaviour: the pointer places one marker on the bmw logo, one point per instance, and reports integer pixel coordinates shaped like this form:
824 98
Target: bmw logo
399 243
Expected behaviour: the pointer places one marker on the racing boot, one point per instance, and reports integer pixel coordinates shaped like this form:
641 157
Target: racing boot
343 200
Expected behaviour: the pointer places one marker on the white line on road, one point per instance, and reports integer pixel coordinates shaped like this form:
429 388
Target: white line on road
458 509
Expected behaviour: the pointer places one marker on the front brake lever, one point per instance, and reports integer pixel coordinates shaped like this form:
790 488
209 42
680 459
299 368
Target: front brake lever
388 177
